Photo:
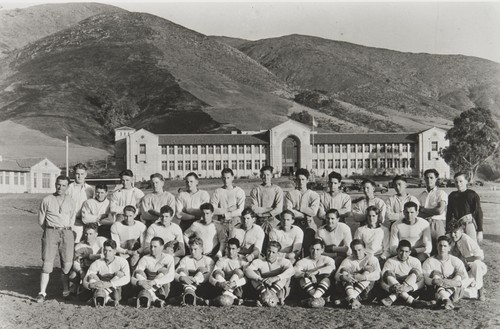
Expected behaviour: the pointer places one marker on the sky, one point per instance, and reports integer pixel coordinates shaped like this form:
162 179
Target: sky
467 28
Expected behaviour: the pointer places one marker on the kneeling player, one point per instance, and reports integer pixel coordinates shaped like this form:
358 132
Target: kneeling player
153 275
228 276
106 276
314 272
271 277
193 271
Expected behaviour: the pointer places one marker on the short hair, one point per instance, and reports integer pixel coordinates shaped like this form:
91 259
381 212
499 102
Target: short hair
287 211
431 171
460 173
159 239
227 171
275 244
166 209
195 241
444 238
336 175
63 177
101 186
410 204
268 168
399 177
129 208
109 243
79 166
368 181
318 241
207 206
192 174
234 242
248 211
356 242
455 224
332 211
377 211
157 175
303 172
404 243
126 172
90 226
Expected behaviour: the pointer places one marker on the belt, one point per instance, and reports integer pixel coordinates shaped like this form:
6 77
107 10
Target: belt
58 228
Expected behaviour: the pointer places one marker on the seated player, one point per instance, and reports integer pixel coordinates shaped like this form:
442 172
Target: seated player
271 276
212 234
289 236
414 229
153 275
106 276
357 273
228 276
87 251
249 234
129 236
401 275
336 236
314 273
465 248
374 235
444 273
170 232
193 272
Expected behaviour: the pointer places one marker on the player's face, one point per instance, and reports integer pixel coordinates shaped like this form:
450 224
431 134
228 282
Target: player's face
80 176
266 176
101 194
232 251
368 189
127 182
156 248
272 254
196 251
334 184
358 251
316 251
400 187
109 253
61 186
410 214
227 179
461 183
443 248
286 221
191 183
332 221
301 182
248 220
90 235
372 218
157 184
457 234
430 180
403 253
166 218
207 215
129 217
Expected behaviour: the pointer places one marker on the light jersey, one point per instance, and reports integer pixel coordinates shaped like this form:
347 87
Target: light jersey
431 200
187 205
418 234
190 265
224 198
354 265
84 249
267 197
151 266
359 210
402 268
57 213
79 193
466 247
281 267
123 234
154 201
448 268
168 233
395 206
302 204
341 201
324 265
92 210
253 238
290 241
211 235
338 237
376 240
106 272
228 265
122 197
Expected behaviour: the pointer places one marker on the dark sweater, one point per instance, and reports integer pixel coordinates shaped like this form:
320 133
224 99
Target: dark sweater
464 203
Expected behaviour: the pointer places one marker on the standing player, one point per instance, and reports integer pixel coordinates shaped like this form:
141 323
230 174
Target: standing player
188 202
395 204
289 236
125 195
97 210
335 198
465 204
211 233
129 236
369 199
336 236
250 235
80 192
56 217
152 202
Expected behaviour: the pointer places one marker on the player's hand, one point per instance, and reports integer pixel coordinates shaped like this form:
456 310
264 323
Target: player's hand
145 284
479 237
249 257
270 280
437 282
359 277
450 283
187 279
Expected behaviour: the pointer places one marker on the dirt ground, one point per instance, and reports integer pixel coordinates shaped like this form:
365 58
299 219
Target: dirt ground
19 283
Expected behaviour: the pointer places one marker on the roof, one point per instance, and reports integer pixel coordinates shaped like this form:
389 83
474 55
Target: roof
125 128
213 139
23 165
365 138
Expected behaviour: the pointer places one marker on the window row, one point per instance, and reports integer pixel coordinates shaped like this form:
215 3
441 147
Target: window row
211 149
212 165
359 148
18 178
363 163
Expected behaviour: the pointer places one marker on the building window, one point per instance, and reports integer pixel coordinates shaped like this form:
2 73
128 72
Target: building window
34 180
397 163
405 147
382 148
389 163
382 163
353 163
322 164
180 149
170 149
225 164
241 149
367 147
7 178
374 148
412 147
210 164
337 163
45 180
225 149
353 148
367 163
249 164
142 148
217 149
180 165
234 164
396 148
241 165
330 148
344 163
434 146
412 162
195 149
188 149
322 148
264 149
195 165
233 149
164 149
389 148
374 163
188 165
405 163
315 164
16 178
330 163
1 178
360 163
210 151
171 165
315 148
218 165
249 150
203 164
257 165
164 166
337 148
344 148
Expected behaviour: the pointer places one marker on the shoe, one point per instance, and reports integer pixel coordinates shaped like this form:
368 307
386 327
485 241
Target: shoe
481 295
40 298
159 303
448 305
67 295
99 301
417 303
387 301
355 304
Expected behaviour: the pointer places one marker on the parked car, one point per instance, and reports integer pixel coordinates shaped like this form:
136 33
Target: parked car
478 183
348 186
381 188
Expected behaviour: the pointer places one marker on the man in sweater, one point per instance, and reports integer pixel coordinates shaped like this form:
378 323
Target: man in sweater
79 191
151 203
125 194
335 198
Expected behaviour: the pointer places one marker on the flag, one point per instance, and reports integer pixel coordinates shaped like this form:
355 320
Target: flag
314 123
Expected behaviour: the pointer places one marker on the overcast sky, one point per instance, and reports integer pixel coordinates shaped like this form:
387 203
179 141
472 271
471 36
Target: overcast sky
469 28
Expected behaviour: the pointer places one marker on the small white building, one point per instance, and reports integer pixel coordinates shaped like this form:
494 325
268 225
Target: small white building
34 175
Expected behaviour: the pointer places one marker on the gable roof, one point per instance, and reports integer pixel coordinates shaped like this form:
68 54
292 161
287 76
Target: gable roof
22 165
213 139
364 138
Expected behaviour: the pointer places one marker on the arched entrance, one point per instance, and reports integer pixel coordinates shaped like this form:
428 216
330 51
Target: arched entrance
290 156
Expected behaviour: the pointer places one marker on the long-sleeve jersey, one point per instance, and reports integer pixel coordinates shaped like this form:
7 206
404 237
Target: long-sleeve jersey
338 237
302 204
83 249
376 239
353 265
418 234
359 209
291 241
223 199
395 207
151 266
451 268
93 210
188 204
249 239
466 247
322 265
56 212
168 233
125 197
402 268
267 197
122 234
212 235
431 199
154 201
227 266
341 201
190 265
464 203
106 271
79 193
281 267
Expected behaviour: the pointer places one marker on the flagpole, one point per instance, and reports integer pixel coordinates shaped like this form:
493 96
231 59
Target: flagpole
67 157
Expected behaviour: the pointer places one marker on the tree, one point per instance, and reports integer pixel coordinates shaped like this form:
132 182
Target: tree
474 138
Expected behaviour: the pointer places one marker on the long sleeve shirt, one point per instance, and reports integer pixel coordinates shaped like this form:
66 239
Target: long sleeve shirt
302 204
225 199
376 240
211 234
339 237
123 235
281 267
359 209
79 193
83 250
249 239
151 266
353 265
418 234
57 212
93 210
125 197
188 204
342 202
402 268
227 266
190 265
323 265
168 233
395 207
464 203
431 199
267 199
154 201
451 268
107 271
466 247
291 241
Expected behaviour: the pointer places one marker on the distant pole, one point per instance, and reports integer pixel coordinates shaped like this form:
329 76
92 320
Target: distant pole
67 158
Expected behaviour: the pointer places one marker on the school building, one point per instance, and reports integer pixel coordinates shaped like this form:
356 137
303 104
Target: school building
33 175
286 147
